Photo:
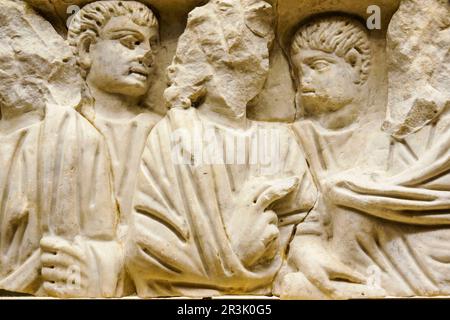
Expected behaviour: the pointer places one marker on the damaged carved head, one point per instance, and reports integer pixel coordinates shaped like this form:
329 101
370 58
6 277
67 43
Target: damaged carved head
223 56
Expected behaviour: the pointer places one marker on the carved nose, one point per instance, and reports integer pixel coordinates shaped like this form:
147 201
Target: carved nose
147 59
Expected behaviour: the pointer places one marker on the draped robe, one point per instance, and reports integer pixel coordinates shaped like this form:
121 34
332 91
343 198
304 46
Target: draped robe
179 244
126 140
405 253
55 182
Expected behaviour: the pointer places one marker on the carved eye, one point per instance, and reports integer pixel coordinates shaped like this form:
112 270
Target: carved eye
130 41
320 65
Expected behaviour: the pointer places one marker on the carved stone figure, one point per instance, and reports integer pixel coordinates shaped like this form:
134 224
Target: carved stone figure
119 181
416 197
395 230
210 216
331 57
114 42
57 214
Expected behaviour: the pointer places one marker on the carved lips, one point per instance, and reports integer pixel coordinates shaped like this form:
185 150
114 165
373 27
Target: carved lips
140 72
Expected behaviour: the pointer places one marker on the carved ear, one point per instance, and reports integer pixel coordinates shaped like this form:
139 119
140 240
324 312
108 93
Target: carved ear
353 57
84 47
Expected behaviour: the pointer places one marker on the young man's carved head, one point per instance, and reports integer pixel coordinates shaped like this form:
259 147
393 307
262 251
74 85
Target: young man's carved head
223 54
331 61
114 43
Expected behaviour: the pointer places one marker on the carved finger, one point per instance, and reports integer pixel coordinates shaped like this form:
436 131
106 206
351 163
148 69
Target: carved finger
252 191
270 217
54 274
57 260
272 233
319 278
266 245
56 244
54 289
272 244
341 272
265 226
278 190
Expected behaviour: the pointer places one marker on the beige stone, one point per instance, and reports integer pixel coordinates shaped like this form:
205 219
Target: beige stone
287 148
232 189
419 65
58 219
380 226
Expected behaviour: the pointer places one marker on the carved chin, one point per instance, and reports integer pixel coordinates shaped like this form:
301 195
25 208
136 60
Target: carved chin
315 103
135 85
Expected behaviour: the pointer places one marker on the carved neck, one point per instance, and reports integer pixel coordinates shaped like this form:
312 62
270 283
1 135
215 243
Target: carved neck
113 106
222 114
340 119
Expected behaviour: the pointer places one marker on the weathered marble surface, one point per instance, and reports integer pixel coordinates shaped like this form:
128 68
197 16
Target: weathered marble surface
225 147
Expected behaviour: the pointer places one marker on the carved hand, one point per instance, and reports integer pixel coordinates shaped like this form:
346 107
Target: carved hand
64 269
253 229
321 267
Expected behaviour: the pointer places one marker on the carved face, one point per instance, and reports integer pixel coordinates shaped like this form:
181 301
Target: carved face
122 57
327 82
239 53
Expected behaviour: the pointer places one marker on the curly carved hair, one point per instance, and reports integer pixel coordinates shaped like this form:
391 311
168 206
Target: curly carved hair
94 16
335 34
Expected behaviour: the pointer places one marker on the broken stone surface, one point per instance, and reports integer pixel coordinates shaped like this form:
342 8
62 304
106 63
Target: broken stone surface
37 65
418 44
225 147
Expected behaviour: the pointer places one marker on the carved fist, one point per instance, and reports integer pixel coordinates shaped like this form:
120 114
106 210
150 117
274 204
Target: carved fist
253 229
63 268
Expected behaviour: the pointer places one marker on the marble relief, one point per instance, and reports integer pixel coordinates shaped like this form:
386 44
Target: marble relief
225 147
